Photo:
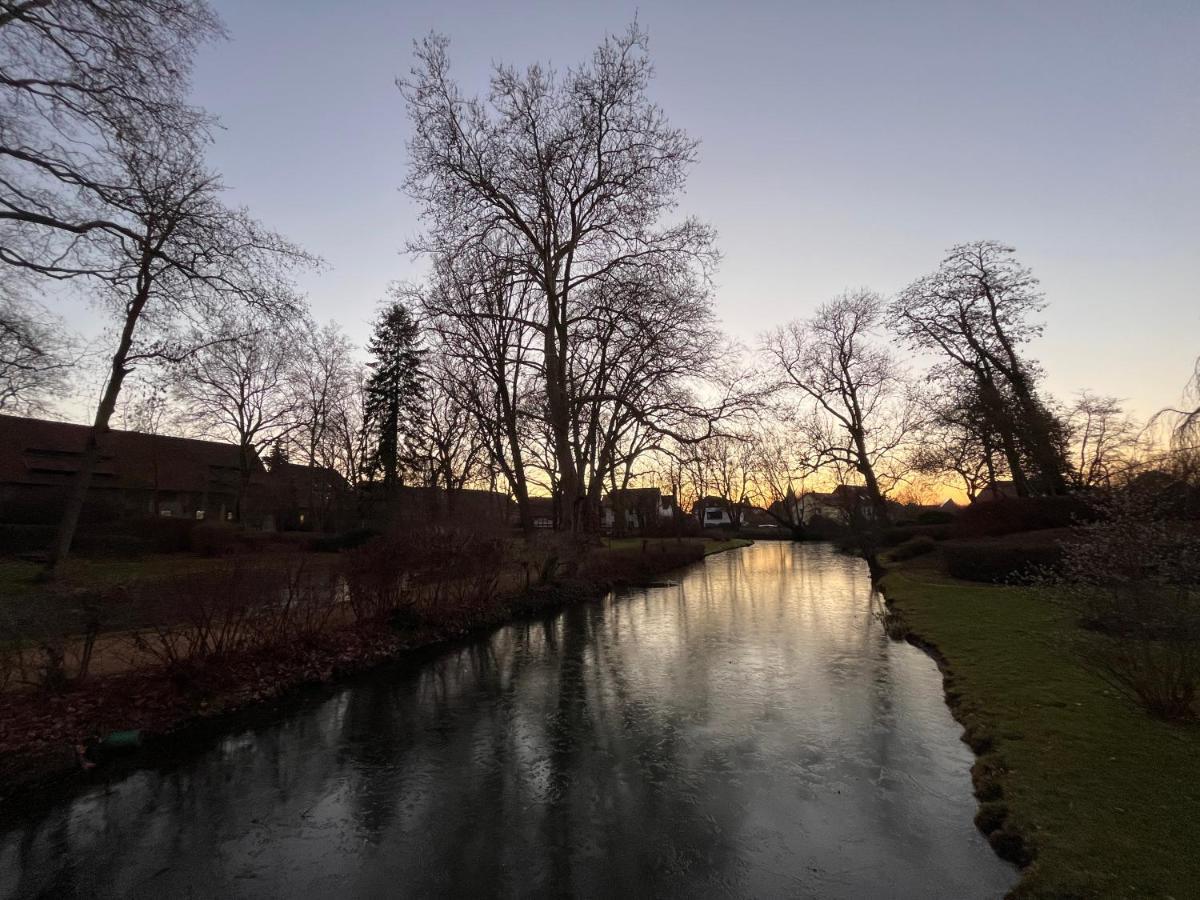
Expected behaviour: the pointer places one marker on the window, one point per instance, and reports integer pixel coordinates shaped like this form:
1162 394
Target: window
199 514
229 516
165 513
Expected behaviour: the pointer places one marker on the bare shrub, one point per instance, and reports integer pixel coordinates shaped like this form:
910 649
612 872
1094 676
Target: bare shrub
1135 577
51 643
198 616
440 575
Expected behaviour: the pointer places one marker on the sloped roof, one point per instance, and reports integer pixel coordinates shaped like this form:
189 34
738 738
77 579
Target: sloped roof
38 451
298 477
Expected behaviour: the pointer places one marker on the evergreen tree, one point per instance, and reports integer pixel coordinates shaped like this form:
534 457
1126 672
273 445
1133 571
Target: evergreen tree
395 399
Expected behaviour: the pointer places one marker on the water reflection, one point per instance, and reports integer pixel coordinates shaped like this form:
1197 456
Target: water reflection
750 731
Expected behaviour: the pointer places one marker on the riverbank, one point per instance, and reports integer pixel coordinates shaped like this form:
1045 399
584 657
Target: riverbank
47 736
1075 782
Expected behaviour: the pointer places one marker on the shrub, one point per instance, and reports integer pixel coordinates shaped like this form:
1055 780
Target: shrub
444 575
1136 577
214 539
1001 561
935 517
21 539
901 533
913 547
1011 515
639 565
346 541
1163 674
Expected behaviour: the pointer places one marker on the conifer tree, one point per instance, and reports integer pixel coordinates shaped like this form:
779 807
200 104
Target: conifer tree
395 396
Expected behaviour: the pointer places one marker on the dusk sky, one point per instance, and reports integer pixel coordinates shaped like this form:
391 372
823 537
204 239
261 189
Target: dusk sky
843 145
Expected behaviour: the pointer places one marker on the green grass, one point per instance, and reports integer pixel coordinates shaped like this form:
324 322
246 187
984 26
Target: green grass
1107 798
19 578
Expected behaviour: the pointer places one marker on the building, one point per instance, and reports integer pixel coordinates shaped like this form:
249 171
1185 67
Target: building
838 505
637 510
997 490
137 475
309 498
541 511
713 512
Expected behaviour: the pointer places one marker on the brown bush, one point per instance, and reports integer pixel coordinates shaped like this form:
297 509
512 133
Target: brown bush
1135 577
1006 560
1011 515
442 575
914 547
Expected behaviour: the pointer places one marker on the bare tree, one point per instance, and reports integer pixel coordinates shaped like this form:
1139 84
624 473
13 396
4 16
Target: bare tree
321 377
858 414
1104 440
957 440
81 82
481 315
1184 420
34 357
237 387
571 176
975 312
189 258
781 462
454 439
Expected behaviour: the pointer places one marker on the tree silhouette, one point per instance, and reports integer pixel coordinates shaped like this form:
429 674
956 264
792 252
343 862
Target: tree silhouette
395 402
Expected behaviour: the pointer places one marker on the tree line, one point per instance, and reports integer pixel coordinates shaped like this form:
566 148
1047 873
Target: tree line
564 342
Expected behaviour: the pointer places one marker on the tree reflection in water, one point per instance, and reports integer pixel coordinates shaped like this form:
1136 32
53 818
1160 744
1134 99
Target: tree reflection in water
749 731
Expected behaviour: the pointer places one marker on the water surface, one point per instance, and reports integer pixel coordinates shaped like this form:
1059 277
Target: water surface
748 732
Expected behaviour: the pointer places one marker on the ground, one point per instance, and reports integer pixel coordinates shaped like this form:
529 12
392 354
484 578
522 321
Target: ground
1105 797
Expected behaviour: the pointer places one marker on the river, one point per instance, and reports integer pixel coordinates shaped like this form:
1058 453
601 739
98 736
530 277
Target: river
749 731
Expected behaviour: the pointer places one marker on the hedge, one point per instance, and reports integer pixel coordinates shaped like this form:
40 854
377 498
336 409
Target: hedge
1000 561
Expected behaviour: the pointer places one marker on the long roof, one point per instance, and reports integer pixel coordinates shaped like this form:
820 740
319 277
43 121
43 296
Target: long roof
41 452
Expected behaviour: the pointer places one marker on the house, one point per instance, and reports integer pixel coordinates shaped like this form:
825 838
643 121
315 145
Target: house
837 505
636 509
308 498
137 475
541 510
997 490
713 512
753 517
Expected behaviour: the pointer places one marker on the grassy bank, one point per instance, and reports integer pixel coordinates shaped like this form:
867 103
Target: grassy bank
1100 799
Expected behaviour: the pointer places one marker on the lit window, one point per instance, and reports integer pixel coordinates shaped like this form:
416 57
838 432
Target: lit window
199 514
165 513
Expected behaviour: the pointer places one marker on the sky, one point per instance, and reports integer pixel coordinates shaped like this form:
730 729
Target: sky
843 145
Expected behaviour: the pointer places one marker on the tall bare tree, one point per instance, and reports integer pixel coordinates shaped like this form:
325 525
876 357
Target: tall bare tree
192 258
976 313
572 175
857 414
1104 440
481 315
80 83
237 387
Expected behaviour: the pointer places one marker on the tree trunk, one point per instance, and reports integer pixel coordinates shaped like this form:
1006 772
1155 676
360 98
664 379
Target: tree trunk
558 407
77 496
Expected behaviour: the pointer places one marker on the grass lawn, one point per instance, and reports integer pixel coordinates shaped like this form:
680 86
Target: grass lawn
19 578
710 547
1107 798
